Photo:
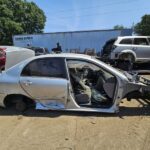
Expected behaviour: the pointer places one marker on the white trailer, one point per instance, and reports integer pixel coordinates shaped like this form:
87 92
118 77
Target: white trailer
81 40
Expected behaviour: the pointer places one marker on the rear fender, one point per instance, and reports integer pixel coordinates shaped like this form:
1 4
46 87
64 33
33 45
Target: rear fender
127 52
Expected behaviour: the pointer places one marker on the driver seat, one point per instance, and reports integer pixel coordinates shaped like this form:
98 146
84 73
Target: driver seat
100 82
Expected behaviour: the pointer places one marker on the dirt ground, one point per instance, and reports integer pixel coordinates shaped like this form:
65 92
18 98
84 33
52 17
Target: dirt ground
55 130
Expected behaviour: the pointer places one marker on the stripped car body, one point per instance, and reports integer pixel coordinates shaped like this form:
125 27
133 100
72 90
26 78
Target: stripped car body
71 82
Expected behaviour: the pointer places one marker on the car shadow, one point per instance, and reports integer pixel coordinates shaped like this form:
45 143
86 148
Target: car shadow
124 111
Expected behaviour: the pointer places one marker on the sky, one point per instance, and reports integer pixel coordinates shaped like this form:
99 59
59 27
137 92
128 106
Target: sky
74 15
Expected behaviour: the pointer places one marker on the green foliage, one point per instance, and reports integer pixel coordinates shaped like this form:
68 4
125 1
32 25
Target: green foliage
19 17
143 27
119 27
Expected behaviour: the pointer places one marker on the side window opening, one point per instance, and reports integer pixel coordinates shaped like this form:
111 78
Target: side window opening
92 86
46 67
141 41
126 41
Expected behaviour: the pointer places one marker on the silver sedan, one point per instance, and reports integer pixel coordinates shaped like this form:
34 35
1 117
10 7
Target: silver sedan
71 82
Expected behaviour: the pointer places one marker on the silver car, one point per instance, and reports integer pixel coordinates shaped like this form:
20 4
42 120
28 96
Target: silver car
127 50
136 46
71 82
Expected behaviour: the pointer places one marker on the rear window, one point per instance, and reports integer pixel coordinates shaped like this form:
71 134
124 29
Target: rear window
126 41
141 41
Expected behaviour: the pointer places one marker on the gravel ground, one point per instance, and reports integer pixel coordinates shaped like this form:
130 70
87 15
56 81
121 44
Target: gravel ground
55 130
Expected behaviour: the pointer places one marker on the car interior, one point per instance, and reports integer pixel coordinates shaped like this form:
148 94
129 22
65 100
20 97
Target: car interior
91 85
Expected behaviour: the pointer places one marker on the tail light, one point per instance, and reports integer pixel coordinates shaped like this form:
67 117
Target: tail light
1 48
2 58
2 52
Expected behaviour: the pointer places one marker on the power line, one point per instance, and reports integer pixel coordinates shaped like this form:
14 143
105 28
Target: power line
98 6
104 13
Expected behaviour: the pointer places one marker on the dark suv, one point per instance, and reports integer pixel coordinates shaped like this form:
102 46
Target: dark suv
39 50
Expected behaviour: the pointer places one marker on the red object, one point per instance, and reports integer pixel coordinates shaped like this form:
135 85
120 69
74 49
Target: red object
2 58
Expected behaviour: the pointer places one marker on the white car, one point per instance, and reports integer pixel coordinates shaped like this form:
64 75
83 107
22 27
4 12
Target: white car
71 82
11 55
134 49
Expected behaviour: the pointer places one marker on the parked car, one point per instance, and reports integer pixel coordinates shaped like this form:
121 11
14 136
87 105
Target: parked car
129 49
11 55
39 50
72 82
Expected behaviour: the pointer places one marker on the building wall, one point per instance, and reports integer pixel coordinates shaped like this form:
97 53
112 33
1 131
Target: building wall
70 40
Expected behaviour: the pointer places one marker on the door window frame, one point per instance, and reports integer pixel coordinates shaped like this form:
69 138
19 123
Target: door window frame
140 44
93 63
65 69
132 41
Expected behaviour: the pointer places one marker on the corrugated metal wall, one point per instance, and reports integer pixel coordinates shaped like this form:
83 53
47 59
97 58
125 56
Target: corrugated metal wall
70 40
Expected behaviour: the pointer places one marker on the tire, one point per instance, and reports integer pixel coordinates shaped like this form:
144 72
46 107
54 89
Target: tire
126 62
125 65
20 106
128 66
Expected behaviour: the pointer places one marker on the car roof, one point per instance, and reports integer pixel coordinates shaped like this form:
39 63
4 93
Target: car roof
66 55
14 48
71 56
123 37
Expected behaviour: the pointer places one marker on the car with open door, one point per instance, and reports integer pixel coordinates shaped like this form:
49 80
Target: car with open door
72 82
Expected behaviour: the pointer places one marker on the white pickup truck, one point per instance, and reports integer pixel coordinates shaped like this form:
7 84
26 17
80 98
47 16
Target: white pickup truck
11 55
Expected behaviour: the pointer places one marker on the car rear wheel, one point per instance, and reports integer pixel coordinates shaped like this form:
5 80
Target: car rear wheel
19 102
20 106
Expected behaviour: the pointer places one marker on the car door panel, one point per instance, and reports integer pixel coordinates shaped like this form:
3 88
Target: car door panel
45 88
142 50
45 79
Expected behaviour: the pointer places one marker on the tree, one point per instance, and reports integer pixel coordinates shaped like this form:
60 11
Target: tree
143 27
119 27
19 17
